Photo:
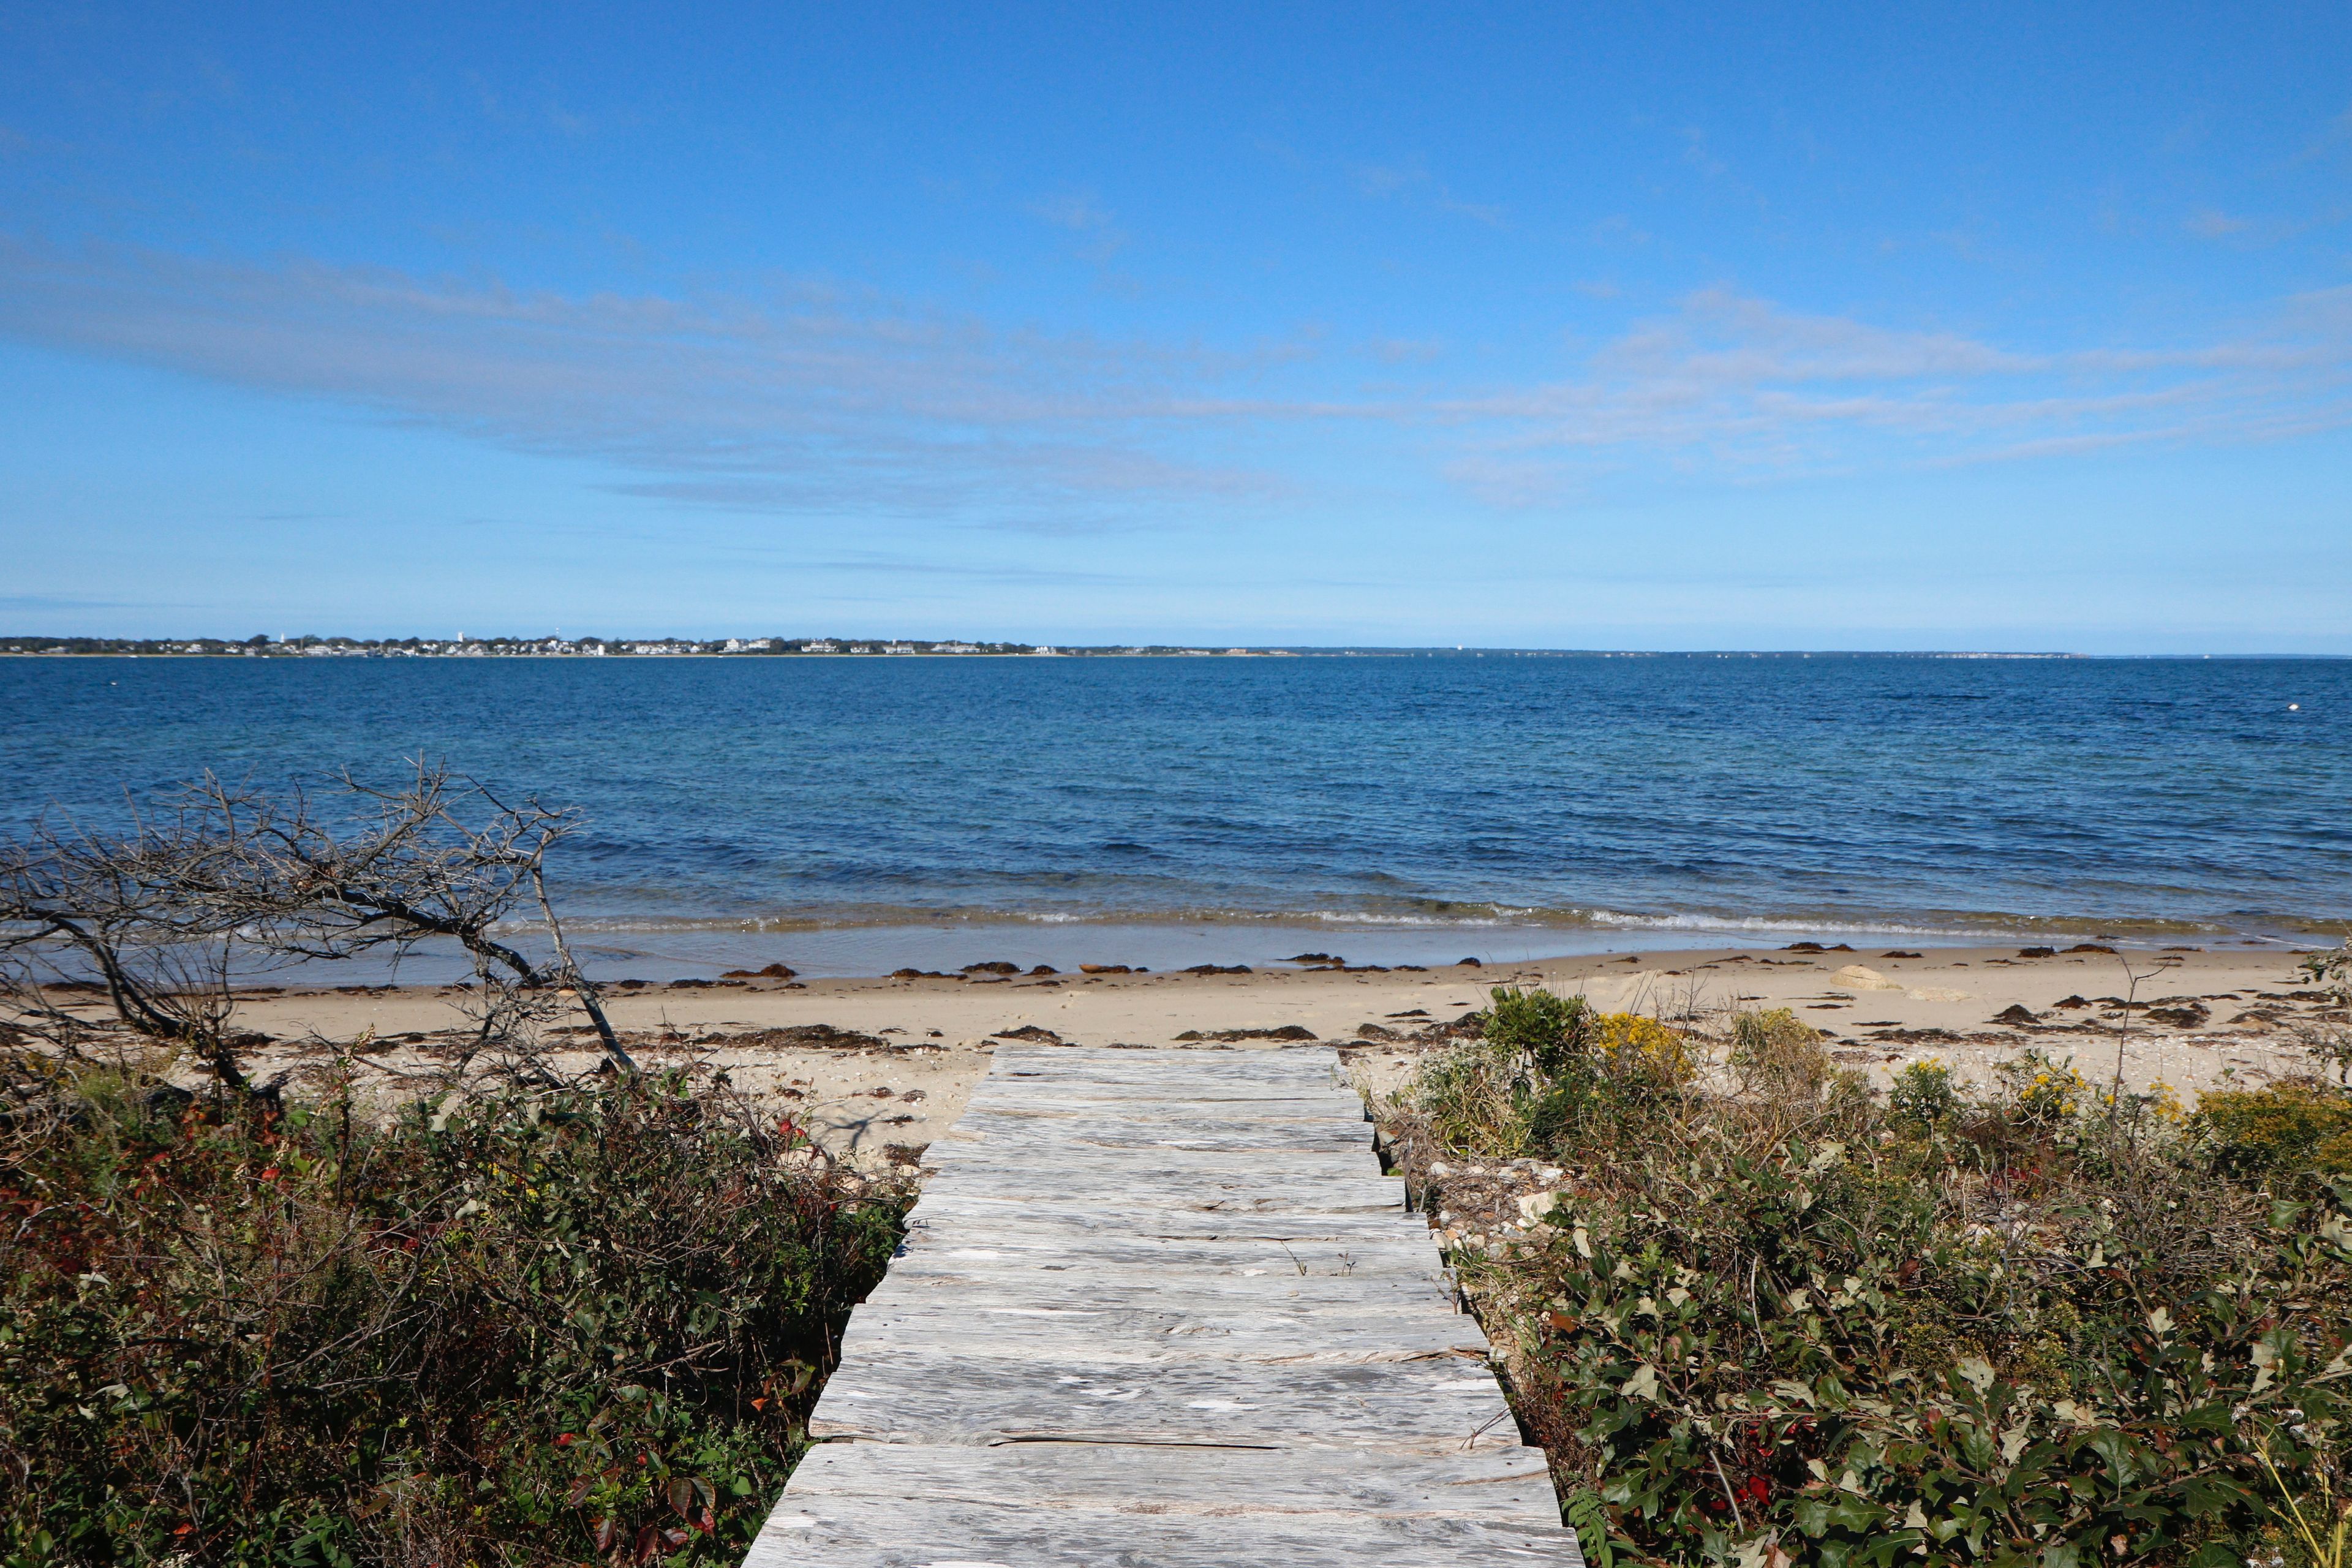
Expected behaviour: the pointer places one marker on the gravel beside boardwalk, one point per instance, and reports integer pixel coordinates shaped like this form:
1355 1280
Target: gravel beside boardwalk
1160 1308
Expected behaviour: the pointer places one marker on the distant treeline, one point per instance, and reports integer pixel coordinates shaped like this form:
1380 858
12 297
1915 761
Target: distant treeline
558 648
462 646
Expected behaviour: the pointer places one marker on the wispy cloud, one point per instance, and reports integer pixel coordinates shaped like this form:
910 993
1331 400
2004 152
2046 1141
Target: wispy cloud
44 604
1700 156
1737 385
803 398
1083 214
2213 224
1411 181
2334 138
1406 350
825 399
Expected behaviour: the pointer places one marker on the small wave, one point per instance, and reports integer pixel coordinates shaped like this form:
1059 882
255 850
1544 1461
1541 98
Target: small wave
1466 916
1782 925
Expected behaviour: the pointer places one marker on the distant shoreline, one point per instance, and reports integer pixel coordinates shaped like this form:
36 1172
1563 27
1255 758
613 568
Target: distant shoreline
834 648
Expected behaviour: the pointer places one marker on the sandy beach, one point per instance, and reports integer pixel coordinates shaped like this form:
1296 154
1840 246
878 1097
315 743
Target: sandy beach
875 1067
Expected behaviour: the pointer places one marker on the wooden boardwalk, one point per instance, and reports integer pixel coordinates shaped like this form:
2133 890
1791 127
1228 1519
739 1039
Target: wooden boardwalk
1160 1309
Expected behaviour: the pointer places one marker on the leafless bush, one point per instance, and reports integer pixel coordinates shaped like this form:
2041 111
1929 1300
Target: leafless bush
117 942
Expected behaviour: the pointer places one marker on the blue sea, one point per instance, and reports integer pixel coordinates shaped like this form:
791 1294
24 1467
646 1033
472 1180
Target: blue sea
849 815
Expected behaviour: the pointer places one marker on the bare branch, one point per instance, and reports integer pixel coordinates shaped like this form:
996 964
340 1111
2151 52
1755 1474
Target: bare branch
226 881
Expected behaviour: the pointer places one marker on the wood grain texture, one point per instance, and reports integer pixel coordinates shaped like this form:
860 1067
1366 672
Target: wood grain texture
1157 1334
945 1207
1006 1247
1495 1483
942 1398
920 1532
1162 1307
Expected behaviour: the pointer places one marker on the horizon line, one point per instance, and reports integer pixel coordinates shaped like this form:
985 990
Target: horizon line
771 646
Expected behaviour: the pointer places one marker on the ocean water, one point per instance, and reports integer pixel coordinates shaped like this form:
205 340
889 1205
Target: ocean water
851 814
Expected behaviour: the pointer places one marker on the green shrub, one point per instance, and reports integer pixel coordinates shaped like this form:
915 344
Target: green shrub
2003 1333
1924 1094
1641 1055
1551 1031
2295 1126
524 1327
1779 1054
1547 1067
1794 1358
1478 1097
2042 1092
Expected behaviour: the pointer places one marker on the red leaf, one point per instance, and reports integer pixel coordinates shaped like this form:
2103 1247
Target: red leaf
681 1492
759 1404
606 1534
565 1440
648 1545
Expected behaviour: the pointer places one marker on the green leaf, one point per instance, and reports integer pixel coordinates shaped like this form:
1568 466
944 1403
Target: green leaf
2213 1555
1586 1516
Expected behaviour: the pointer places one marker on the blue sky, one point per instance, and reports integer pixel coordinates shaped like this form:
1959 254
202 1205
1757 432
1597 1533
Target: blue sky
1662 327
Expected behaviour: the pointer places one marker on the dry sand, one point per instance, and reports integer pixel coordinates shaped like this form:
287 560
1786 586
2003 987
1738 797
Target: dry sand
907 1050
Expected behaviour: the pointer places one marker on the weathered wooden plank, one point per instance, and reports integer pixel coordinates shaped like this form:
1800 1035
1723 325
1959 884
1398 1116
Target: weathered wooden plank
1241 1105
1205 1482
1270 1168
1081 1291
1179 1099
1231 1192
944 1397
1179 1266
975 1248
869 1532
1159 1308
1340 1149
1186 1131
1127 1334
945 1205
1125 1168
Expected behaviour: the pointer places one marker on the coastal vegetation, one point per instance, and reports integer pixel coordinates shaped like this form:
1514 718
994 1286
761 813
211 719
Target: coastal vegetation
1766 1315
532 1324
488 1312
